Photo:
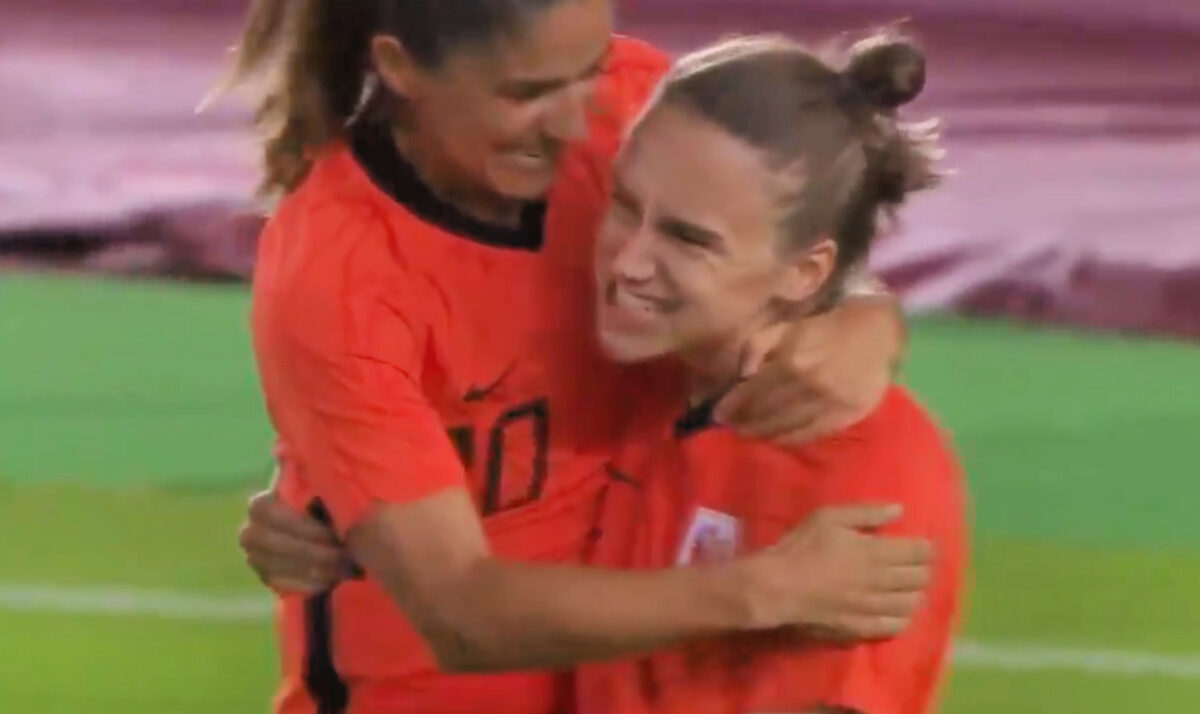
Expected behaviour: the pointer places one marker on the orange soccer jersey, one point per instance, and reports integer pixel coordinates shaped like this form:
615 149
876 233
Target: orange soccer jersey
405 348
711 494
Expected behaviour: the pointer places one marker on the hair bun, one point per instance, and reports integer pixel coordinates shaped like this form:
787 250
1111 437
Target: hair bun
888 69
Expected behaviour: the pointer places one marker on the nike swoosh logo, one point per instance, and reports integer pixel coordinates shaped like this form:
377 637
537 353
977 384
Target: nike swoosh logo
475 393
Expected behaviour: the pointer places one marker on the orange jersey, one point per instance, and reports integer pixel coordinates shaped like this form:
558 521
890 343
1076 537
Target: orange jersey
711 494
405 348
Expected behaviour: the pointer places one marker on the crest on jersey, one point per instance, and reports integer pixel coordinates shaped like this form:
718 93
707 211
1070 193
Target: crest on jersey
711 537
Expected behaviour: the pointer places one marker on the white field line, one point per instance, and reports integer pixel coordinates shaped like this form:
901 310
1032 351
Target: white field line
212 607
118 601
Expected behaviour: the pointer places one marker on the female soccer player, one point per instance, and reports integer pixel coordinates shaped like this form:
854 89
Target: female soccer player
420 326
751 186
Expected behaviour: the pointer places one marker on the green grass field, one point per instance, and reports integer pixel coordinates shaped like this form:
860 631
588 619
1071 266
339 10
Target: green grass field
130 434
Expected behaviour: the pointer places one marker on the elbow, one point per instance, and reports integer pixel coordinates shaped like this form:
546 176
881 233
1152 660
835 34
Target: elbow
457 651
460 639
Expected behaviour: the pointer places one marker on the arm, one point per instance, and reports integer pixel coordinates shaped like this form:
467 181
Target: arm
547 616
899 674
376 453
432 556
341 365
481 613
824 372
291 552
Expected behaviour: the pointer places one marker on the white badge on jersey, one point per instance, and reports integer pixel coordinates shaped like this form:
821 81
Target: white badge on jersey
711 537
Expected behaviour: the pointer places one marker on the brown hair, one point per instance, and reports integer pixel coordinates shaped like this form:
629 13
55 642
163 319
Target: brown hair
831 124
315 58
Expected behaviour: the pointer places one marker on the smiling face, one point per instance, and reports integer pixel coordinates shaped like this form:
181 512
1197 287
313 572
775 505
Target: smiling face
689 259
496 114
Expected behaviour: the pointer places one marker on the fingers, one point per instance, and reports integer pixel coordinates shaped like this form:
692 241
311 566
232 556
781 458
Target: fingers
779 385
281 546
348 569
271 513
778 413
744 402
288 564
863 516
874 617
730 407
892 605
872 627
301 586
884 615
289 551
819 427
909 578
901 551
290 575
758 349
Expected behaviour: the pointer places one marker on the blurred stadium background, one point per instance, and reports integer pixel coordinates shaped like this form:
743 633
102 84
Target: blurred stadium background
1055 283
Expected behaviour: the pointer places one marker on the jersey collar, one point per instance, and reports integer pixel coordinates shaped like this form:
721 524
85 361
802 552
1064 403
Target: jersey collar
376 152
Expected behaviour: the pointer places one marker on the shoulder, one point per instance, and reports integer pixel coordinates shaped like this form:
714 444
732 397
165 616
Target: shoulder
897 454
631 74
900 425
333 262
338 225
635 67
899 429
338 200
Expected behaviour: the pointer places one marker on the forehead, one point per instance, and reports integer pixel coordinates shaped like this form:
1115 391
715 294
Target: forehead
697 172
563 40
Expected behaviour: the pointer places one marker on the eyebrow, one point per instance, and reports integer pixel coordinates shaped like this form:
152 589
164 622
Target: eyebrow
622 194
689 231
668 224
539 85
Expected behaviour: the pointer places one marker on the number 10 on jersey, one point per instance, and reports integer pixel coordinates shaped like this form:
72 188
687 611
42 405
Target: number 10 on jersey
516 452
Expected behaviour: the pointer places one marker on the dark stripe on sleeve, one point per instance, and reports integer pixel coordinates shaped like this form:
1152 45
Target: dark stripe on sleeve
321 678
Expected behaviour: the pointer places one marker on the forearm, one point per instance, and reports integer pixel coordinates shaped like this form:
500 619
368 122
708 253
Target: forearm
480 613
550 617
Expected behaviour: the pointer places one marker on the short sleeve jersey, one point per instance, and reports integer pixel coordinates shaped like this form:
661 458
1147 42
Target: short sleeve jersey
384 319
711 494
405 348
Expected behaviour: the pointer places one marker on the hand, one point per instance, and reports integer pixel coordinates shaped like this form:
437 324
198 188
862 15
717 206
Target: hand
828 576
289 551
811 378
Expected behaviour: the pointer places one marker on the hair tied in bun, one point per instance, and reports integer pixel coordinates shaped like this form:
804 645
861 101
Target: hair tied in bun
887 69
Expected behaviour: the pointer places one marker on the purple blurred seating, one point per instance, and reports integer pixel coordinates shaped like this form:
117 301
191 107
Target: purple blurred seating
1074 126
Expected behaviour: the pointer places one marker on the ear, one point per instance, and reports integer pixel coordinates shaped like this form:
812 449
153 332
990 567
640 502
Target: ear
808 272
394 65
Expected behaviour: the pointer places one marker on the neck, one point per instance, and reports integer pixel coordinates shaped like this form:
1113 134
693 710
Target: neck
712 372
449 186
715 366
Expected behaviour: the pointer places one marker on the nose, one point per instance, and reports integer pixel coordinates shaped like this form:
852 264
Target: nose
633 256
567 117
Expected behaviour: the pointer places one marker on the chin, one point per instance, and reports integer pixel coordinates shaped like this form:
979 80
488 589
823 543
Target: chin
627 349
524 185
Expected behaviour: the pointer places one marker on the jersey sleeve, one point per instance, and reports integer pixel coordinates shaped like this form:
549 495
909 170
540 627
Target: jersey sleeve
340 343
630 77
899 675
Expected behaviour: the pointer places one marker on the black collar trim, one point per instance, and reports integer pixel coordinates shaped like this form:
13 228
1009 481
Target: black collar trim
376 153
696 419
